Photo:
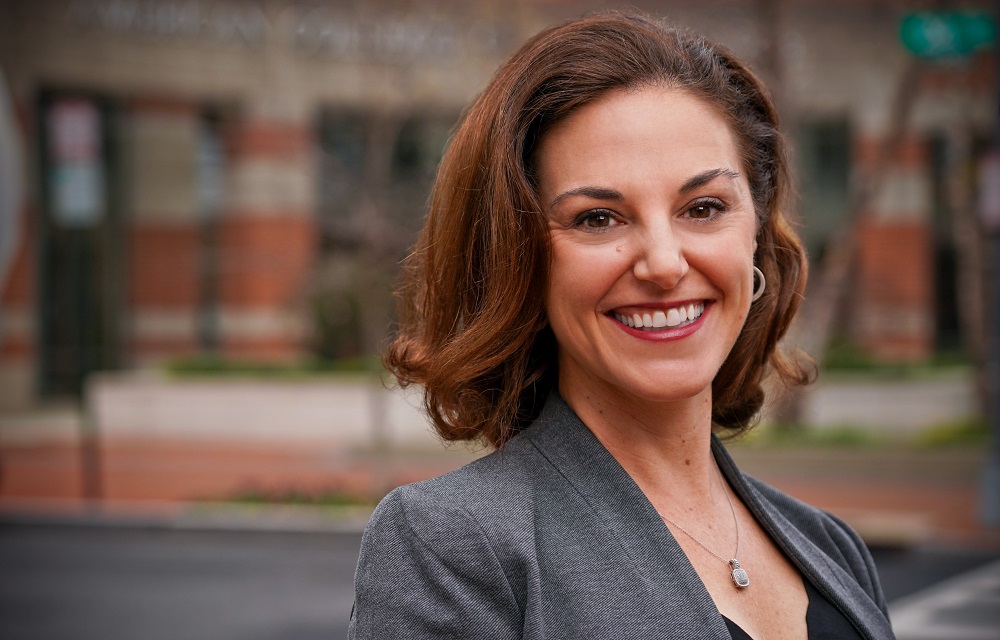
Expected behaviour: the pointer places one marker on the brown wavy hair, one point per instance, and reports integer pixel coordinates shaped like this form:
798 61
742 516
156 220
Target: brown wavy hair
473 330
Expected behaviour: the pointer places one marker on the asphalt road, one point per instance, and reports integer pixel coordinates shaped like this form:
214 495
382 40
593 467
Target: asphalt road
110 584
87 583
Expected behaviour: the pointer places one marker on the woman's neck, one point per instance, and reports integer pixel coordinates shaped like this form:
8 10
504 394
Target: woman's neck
664 446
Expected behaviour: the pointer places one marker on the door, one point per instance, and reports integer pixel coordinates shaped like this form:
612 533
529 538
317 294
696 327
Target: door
80 244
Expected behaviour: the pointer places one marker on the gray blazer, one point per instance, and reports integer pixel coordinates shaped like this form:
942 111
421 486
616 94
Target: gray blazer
549 537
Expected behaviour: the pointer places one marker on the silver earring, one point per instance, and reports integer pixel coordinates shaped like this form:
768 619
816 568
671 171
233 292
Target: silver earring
758 289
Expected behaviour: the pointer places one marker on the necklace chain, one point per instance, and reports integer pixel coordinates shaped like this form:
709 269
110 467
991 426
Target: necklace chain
701 544
739 575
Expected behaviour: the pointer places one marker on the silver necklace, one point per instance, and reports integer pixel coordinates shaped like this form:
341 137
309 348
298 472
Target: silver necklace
739 574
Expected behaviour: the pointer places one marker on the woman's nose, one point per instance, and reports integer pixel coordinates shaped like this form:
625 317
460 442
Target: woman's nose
660 259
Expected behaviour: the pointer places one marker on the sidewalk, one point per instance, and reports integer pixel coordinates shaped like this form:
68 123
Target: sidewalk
893 498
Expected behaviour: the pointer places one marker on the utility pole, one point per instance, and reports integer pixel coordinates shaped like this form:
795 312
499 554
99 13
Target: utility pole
958 35
989 209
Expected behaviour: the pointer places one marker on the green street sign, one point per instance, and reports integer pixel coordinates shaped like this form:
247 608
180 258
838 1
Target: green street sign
947 34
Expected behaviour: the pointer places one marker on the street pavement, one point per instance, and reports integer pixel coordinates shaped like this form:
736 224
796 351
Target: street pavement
124 583
965 607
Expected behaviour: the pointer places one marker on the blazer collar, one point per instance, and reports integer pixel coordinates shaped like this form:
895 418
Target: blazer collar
598 477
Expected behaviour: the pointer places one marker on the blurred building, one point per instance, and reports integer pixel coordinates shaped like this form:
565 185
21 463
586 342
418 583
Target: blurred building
239 177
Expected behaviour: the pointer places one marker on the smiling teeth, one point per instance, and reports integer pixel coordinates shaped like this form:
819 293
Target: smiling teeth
671 318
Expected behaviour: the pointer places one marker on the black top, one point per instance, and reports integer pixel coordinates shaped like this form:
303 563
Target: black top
823 620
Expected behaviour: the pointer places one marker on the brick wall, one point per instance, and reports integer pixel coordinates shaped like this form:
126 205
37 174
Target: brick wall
263 238
162 221
891 307
267 239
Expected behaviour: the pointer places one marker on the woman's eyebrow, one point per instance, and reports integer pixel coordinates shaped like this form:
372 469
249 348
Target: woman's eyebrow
598 193
705 177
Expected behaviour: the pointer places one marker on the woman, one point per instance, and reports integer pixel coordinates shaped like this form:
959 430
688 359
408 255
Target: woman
604 275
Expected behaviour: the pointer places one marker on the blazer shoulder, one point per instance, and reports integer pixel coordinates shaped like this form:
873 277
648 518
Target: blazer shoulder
424 577
455 543
484 506
501 479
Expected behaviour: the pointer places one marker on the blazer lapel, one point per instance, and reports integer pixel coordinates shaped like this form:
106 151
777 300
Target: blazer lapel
617 501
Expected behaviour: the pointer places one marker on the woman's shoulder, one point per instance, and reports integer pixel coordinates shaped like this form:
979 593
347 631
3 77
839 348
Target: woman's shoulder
437 555
484 493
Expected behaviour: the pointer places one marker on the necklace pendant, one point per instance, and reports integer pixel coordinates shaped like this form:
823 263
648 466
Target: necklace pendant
740 577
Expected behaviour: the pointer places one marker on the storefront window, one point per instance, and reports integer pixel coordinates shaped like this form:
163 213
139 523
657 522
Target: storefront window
342 165
417 153
376 172
823 160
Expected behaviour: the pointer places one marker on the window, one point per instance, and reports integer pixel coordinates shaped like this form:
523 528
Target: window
376 173
822 156
343 142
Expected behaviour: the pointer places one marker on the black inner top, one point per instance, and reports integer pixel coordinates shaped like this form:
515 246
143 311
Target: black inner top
823 620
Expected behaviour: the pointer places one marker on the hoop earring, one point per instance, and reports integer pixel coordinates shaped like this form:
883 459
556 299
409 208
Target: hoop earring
758 290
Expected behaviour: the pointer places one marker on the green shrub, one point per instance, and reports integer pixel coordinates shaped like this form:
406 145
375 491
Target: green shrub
216 366
302 497
966 432
845 356
839 436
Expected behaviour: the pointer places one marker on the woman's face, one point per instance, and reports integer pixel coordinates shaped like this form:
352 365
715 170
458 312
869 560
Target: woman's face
652 232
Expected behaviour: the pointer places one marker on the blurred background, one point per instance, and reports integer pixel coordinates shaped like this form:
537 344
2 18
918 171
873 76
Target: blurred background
203 207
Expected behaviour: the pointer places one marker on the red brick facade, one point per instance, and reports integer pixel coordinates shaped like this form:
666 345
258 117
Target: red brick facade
895 290
163 264
264 260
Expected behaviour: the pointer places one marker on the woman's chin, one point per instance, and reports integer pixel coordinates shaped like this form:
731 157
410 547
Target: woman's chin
676 395
654 389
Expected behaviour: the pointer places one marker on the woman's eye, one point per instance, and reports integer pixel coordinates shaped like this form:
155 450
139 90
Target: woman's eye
596 219
704 210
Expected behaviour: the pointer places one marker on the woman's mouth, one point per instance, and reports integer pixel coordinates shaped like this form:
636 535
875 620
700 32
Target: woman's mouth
672 318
